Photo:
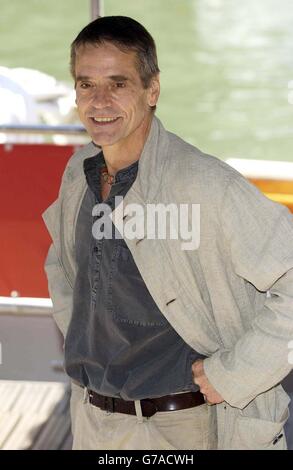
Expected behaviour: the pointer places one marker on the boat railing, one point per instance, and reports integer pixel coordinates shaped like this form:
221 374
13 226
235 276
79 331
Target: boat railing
43 129
19 306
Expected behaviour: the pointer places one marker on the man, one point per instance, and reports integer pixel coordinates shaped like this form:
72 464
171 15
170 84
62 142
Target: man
168 346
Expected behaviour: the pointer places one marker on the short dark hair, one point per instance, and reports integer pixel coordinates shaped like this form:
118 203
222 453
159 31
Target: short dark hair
126 34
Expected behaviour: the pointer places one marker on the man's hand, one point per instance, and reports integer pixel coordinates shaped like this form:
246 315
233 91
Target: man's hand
211 395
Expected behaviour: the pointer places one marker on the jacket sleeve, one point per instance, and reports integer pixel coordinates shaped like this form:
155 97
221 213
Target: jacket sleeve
259 234
60 291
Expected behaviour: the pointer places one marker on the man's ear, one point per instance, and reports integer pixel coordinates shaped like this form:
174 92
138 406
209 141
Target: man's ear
154 91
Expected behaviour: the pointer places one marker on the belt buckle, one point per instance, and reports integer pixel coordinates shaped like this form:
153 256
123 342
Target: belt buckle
108 404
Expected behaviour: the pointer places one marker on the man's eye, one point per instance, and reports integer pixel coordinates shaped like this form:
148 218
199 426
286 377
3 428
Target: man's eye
84 85
120 84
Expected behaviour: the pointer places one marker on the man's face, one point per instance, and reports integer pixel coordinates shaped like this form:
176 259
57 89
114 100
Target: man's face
112 103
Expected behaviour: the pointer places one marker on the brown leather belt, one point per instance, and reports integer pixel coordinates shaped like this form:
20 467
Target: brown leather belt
149 407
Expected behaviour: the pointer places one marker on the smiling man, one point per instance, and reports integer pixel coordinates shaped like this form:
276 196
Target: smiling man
114 102
166 348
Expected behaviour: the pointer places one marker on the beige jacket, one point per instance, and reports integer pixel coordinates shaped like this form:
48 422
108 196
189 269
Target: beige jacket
233 295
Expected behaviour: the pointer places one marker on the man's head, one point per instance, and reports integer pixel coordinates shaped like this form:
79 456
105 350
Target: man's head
126 34
116 75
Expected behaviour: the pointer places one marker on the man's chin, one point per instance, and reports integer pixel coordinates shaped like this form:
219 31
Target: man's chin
100 142
98 139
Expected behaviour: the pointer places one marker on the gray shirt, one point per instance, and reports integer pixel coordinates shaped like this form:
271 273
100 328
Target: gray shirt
118 343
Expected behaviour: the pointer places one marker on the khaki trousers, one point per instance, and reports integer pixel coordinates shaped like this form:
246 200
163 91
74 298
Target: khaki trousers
94 429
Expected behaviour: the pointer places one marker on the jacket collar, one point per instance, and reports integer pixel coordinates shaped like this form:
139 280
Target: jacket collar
152 162
150 165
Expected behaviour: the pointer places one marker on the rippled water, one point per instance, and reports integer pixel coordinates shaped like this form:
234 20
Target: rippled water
225 64
225 72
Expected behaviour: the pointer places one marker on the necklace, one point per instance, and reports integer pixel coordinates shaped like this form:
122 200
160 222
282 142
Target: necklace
110 179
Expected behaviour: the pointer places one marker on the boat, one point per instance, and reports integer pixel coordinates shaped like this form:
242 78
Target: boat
36 415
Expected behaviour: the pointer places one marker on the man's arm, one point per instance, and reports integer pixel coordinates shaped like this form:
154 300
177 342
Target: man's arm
260 237
60 291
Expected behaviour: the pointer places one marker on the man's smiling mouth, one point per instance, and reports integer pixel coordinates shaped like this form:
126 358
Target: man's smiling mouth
104 120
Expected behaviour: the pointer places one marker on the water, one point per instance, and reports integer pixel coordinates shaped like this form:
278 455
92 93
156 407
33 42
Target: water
225 65
225 72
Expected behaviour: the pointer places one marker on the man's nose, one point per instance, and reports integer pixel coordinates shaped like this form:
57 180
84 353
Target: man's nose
101 97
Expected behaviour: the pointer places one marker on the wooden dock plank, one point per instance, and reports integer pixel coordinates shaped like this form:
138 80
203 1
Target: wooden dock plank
34 415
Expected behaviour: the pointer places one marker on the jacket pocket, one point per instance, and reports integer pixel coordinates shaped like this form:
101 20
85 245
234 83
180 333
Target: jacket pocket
252 433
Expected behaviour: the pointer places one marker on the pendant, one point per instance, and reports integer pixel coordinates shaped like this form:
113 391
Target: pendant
110 179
